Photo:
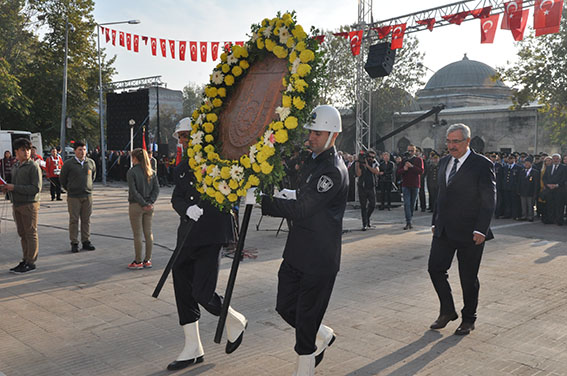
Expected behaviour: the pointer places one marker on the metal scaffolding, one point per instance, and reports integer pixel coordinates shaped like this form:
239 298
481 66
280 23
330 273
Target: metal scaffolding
363 96
145 82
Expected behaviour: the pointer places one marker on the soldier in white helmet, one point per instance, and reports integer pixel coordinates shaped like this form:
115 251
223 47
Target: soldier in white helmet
313 249
196 270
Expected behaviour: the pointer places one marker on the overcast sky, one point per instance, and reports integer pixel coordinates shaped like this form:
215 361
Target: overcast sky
230 20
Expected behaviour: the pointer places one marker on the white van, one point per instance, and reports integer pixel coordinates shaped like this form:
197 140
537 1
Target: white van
7 139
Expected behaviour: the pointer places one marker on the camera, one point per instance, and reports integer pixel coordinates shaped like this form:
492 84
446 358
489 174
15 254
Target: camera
406 157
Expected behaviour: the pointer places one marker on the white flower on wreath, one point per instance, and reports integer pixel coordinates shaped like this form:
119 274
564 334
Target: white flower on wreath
218 77
199 120
237 172
295 66
231 59
252 153
267 32
284 35
198 157
254 37
268 138
197 138
283 112
289 88
215 171
224 188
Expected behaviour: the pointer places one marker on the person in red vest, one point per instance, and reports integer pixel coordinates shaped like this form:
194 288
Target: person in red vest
53 166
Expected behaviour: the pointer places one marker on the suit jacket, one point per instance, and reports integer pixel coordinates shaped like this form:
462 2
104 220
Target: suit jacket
314 241
529 184
559 177
467 204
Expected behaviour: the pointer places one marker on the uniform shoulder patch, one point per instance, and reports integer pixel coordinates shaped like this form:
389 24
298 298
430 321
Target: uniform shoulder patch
324 184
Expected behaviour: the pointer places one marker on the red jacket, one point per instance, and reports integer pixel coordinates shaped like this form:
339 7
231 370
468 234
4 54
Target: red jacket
52 164
412 177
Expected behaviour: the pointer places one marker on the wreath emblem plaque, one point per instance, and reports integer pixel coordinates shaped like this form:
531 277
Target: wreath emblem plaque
255 100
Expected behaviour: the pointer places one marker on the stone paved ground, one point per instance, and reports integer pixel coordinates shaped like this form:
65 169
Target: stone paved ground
86 314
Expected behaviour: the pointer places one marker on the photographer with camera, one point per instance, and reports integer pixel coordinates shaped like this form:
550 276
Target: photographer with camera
366 168
410 169
387 175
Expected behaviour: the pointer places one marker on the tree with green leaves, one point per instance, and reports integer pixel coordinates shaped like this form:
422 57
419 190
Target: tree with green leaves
192 97
540 74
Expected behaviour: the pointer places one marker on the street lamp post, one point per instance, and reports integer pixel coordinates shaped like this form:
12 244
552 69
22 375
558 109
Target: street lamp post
64 99
100 104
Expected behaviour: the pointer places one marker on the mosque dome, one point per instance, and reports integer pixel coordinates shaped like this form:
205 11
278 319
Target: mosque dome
464 73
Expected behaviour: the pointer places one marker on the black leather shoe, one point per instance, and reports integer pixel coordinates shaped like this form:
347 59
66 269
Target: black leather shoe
464 329
87 246
74 247
407 226
319 357
180 364
442 321
232 346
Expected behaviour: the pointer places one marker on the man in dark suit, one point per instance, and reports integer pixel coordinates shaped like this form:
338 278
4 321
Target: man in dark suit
528 188
461 223
554 179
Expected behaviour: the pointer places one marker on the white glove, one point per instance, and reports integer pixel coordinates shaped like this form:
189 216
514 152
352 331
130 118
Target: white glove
250 196
194 212
286 194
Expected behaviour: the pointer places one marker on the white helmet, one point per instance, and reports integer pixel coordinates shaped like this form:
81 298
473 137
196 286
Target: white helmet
184 125
325 118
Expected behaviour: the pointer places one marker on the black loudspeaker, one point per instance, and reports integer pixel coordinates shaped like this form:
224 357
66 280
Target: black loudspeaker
120 108
380 60
163 150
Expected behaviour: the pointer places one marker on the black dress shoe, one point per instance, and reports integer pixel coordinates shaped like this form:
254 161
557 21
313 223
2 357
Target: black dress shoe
74 248
407 226
443 320
232 346
319 357
87 246
180 364
464 329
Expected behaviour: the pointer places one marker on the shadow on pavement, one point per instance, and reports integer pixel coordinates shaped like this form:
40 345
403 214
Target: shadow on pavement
407 351
557 250
188 371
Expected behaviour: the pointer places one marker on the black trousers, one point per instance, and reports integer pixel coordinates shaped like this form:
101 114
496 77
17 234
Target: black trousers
440 259
386 193
55 187
367 197
302 301
511 204
555 204
422 203
432 197
195 276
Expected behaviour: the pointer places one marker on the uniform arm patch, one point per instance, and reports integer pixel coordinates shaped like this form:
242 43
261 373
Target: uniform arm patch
324 184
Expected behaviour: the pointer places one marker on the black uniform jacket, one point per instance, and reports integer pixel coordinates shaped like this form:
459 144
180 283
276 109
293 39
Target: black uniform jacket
528 185
214 226
314 242
467 203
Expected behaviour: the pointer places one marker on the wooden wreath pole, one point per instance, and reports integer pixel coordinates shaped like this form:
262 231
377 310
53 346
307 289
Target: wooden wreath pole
233 271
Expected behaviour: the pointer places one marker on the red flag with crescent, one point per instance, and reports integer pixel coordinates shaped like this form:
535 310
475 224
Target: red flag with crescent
128 41
163 47
114 37
429 22
214 50
456 18
193 50
488 26
101 29
398 32
512 18
203 49
227 46
182 48
172 48
107 34
481 12
547 16
518 32
154 46
136 43
355 38
383 31
121 39
144 140
145 39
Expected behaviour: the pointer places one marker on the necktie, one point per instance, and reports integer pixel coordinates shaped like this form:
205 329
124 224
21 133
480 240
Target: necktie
453 170
553 169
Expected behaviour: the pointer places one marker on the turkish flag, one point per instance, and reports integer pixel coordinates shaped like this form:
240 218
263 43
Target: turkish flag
193 50
429 22
121 38
456 18
214 50
144 140
482 12
145 39
518 33
512 18
241 44
355 38
398 32
227 46
383 31
343 34
154 46
163 47
182 48
547 16
107 34
114 37
136 42
172 48
488 26
102 30
128 41
203 48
